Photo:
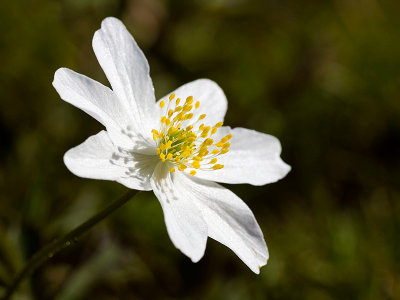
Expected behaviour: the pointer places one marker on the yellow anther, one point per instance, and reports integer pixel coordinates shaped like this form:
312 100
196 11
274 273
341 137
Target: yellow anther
201 127
158 151
179 116
197 105
162 147
193 172
169 156
204 153
215 151
224 150
217 167
162 156
163 120
218 125
154 131
214 130
196 164
191 139
189 100
172 170
155 137
177 159
170 112
213 161
171 97
204 134
189 116
162 103
172 129
202 116
229 136
190 127
208 142
207 128
198 158
185 153
177 101
226 145
220 144
168 145
223 140
178 108
181 167
167 121
187 107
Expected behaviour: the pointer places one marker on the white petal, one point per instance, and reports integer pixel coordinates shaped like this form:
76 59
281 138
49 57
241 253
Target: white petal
184 222
98 158
229 220
95 99
212 100
127 70
253 157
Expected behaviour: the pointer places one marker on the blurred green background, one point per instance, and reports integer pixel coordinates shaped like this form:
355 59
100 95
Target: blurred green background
322 76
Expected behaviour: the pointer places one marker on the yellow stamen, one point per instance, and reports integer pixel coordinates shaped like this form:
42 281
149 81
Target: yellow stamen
162 156
184 148
226 145
217 167
189 100
196 164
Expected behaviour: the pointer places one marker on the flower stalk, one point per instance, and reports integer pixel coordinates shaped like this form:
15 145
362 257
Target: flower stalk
48 251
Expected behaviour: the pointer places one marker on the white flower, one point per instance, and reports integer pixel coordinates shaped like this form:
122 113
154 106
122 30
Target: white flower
176 147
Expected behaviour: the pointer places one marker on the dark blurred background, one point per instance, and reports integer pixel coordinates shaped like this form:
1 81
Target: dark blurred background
322 76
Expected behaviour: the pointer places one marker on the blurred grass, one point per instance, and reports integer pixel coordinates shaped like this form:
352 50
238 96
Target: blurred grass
322 76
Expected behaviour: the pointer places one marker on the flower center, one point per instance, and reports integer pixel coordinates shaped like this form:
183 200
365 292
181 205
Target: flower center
185 144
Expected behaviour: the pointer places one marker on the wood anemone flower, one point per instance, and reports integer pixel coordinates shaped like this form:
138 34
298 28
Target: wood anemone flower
177 147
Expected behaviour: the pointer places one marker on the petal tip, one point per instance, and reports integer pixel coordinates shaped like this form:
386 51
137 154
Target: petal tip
57 75
111 21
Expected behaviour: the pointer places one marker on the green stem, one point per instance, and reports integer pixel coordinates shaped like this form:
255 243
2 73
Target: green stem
65 241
